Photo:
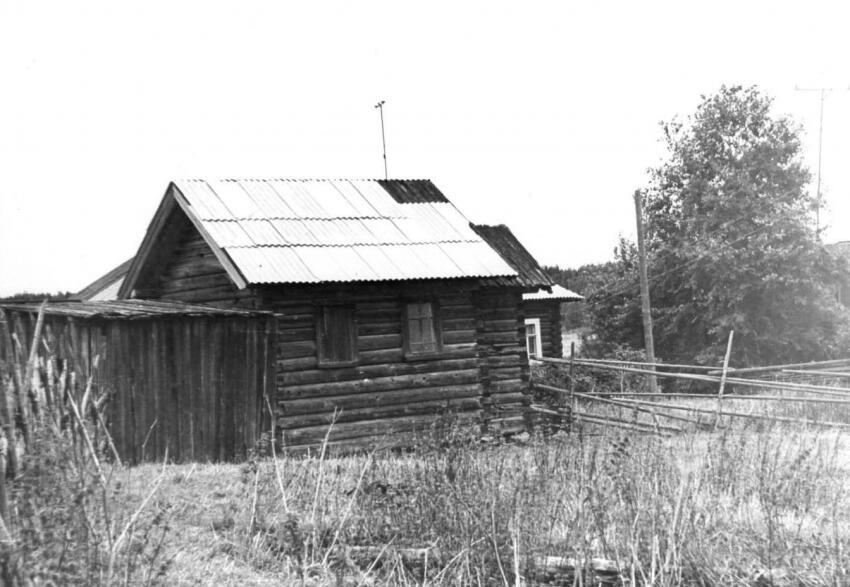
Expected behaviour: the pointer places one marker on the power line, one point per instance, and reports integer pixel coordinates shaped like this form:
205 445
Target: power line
658 276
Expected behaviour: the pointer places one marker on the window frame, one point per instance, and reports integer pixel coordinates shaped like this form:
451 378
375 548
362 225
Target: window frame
538 338
323 361
411 355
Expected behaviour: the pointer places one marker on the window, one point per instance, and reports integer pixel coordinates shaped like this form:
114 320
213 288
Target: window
533 342
422 329
336 336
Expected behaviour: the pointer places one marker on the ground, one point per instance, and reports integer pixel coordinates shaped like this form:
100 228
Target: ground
741 505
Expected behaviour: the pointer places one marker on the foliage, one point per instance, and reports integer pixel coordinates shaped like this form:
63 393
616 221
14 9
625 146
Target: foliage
37 297
60 523
731 244
586 280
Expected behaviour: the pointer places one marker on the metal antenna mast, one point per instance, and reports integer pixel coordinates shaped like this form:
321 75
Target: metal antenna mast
380 107
822 92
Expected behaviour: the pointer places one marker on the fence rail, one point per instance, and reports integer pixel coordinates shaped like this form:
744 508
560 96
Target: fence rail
659 405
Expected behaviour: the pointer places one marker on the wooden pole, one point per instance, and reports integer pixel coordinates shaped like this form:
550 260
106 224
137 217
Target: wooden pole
4 504
649 343
723 378
572 386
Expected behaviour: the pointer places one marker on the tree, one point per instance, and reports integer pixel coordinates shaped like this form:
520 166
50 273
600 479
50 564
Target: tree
731 243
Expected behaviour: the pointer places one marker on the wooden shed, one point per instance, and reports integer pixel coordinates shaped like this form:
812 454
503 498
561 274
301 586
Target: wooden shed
179 377
391 311
544 328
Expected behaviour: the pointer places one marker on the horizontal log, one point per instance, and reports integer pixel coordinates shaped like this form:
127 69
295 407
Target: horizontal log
509 398
379 342
207 295
377 429
301 334
367 397
196 282
459 337
294 350
296 364
377 328
408 381
505 325
508 386
464 323
492 338
371 371
512 360
286 422
505 373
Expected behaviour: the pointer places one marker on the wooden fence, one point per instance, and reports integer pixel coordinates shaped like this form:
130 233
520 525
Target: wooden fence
192 385
809 380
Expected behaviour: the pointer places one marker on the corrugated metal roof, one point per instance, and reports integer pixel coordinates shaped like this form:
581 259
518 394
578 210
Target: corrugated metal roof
129 309
501 239
558 293
311 231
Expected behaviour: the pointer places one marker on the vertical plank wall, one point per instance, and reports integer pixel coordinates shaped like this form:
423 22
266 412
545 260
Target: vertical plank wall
191 385
200 379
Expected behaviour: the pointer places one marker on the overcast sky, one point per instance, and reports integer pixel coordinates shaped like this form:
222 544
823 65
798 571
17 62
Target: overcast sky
542 116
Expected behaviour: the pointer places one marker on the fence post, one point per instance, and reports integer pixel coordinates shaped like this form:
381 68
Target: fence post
723 378
572 387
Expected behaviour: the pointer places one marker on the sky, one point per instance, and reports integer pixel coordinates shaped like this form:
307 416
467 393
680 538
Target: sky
540 115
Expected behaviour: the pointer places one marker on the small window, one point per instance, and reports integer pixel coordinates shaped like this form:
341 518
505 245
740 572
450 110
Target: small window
336 336
533 342
422 329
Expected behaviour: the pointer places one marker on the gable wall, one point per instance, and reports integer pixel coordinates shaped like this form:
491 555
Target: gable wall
188 271
549 313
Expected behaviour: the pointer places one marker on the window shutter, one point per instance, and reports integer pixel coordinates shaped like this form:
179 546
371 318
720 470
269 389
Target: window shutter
336 336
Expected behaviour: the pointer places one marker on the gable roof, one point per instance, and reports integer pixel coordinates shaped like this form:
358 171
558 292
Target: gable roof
517 256
105 287
266 231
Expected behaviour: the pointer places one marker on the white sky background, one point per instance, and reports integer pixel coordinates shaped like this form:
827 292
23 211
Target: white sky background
542 116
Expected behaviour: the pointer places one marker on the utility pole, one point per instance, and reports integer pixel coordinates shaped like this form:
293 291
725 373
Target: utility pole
380 107
822 92
649 343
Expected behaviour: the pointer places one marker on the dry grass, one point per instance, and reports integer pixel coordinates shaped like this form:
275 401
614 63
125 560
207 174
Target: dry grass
720 508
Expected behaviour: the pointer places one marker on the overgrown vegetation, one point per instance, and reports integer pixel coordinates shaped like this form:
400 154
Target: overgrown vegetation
770 506
61 519
701 509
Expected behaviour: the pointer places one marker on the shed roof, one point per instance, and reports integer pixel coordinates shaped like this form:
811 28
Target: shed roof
501 239
128 309
266 231
558 293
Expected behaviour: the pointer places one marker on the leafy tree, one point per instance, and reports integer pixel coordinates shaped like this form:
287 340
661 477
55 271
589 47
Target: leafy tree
731 244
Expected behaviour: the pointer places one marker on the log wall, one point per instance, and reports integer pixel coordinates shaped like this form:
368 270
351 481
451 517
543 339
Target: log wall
549 313
191 385
502 358
384 392
188 271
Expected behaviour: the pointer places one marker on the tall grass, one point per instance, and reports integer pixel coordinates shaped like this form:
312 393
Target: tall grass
769 507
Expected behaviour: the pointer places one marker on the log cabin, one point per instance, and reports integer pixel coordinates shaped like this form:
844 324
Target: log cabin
392 312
